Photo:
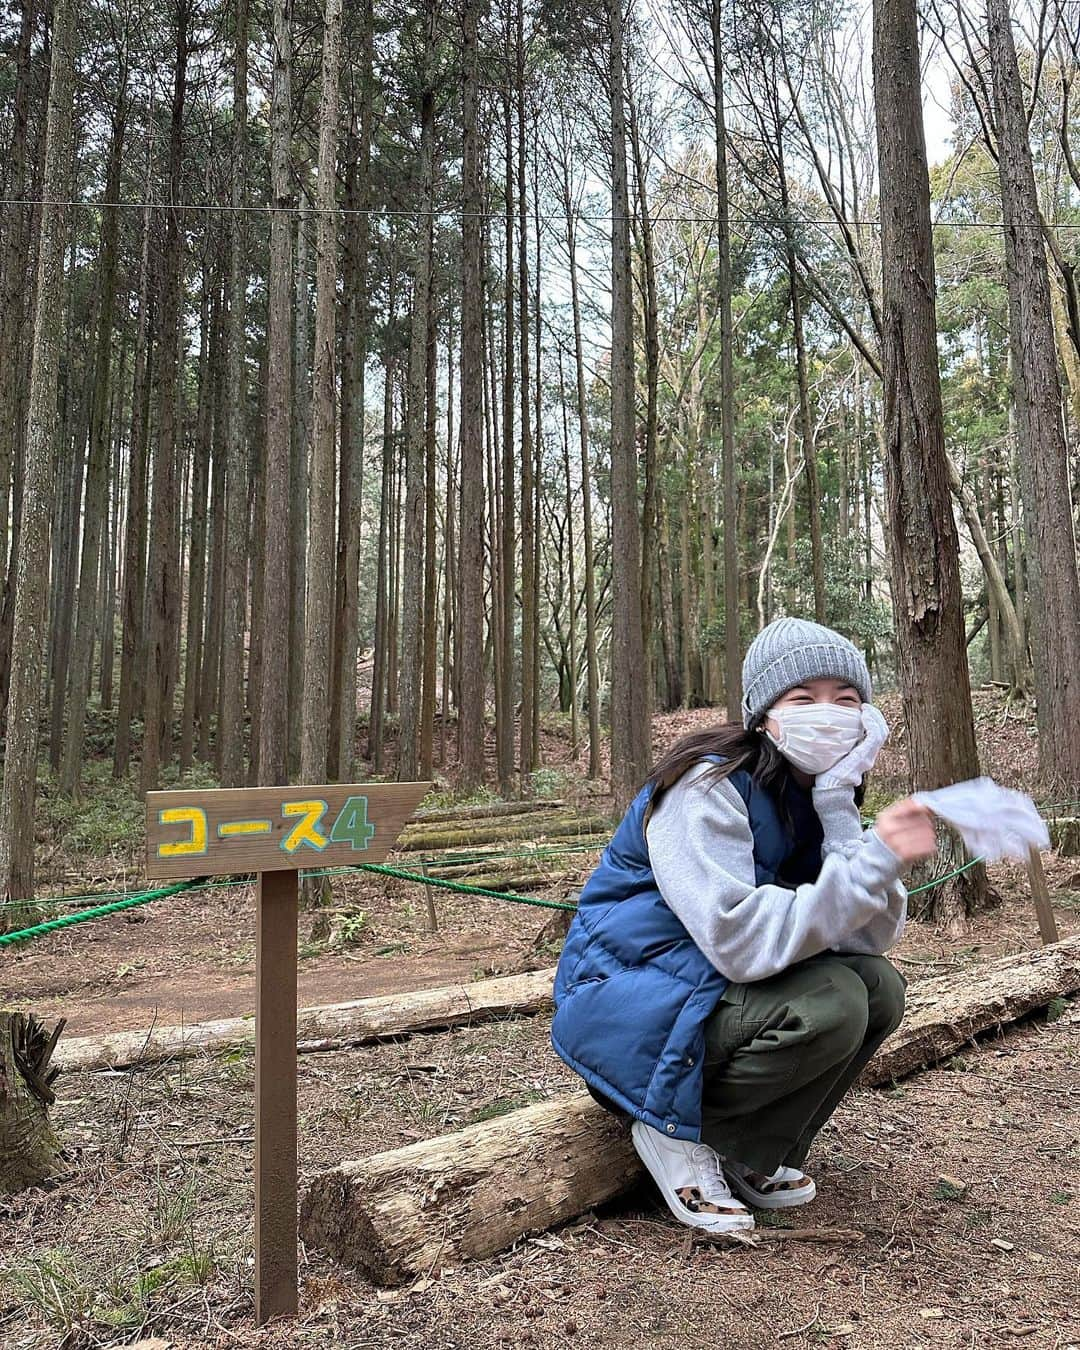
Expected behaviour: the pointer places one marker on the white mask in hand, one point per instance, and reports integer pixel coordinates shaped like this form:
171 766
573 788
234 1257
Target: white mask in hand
816 736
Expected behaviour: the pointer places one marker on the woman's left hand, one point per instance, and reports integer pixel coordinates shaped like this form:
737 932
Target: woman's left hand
849 772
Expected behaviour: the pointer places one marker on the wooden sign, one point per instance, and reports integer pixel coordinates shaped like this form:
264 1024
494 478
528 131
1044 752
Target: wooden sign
268 829
275 831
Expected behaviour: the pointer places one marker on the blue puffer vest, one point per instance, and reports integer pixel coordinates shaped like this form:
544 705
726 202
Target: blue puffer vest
633 991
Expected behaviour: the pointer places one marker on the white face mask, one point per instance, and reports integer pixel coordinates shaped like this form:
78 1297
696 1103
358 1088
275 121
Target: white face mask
816 736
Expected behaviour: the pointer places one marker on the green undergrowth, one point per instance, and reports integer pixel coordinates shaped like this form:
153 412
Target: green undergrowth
55 1288
106 822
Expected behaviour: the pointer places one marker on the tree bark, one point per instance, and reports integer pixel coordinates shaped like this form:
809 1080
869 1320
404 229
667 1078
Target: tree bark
194 644
351 505
1053 582
273 757
530 580
134 587
298 491
17 799
591 661
319 618
629 698
163 571
412 579
921 531
732 645
230 738
471 531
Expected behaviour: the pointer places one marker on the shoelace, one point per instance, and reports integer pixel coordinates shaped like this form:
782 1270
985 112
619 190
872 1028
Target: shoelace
712 1182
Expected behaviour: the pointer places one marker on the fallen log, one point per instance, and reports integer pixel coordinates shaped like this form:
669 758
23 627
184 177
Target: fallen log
331 1027
946 1012
415 839
29 1149
472 1193
488 810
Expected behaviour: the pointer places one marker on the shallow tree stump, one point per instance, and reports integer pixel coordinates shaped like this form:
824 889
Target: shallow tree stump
29 1150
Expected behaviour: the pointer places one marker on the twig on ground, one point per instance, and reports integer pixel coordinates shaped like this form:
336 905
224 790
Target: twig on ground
797 1331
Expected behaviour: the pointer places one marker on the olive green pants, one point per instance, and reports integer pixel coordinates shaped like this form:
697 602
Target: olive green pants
780 1053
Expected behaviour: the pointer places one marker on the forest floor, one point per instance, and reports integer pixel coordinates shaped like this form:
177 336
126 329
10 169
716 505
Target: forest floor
148 1232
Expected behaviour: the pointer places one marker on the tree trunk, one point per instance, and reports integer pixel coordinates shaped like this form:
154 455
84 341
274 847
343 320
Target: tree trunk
319 617
134 588
351 506
412 579
471 531
591 661
997 591
431 588
194 644
163 572
921 531
504 503
230 738
629 698
382 561
1053 583
273 756
649 571
210 666
29 1150
529 529
14 268
80 673
732 645
298 490
20 753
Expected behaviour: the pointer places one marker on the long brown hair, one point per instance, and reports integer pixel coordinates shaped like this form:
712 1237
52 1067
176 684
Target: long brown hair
736 748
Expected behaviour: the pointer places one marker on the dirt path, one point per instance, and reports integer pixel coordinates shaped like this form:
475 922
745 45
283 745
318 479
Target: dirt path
197 995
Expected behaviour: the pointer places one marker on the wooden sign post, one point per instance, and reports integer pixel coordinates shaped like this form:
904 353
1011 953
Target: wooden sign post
274 831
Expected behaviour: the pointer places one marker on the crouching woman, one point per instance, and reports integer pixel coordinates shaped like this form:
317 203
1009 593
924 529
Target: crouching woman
723 981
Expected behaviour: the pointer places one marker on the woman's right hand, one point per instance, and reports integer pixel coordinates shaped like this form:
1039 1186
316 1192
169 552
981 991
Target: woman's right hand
907 829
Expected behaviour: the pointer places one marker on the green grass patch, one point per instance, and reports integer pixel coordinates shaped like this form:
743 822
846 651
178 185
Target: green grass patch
502 1106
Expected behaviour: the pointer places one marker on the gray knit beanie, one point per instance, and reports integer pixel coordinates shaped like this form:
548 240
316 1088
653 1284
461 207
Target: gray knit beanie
790 651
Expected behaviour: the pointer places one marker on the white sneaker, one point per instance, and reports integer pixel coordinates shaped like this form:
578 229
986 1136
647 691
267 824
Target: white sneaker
784 1189
691 1180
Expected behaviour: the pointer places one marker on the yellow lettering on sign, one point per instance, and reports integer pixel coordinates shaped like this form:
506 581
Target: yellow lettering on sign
193 816
305 833
232 828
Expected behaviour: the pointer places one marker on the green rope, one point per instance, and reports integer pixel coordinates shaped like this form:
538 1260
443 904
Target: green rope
381 869
98 912
940 881
461 886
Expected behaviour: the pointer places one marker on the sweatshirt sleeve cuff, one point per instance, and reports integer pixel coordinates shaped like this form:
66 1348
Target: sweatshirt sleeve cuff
839 816
878 863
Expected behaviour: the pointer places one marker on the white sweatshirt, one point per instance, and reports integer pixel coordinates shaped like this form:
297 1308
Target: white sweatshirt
702 855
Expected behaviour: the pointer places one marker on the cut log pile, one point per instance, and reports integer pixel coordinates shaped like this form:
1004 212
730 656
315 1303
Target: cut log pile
472 1193
471 844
